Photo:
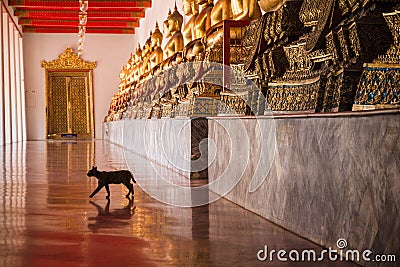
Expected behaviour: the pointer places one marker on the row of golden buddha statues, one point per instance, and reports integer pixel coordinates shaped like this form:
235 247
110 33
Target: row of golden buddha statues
300 55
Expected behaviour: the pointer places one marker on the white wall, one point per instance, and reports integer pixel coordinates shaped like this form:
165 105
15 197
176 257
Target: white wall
110 52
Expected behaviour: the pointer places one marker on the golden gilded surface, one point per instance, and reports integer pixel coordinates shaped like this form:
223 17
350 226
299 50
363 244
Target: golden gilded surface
69 96
270 5
68 60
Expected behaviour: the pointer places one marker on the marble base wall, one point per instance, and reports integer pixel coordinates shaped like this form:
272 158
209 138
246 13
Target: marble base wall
164 141
323 177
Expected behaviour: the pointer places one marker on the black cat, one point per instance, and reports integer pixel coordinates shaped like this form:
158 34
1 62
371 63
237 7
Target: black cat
114 177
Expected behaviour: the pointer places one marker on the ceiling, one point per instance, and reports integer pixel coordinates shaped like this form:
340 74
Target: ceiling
61 16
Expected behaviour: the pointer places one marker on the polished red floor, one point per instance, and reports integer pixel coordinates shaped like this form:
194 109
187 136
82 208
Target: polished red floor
47 219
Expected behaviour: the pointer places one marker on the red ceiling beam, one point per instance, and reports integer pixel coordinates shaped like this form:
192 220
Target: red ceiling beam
93 15
63 8
28 29
75 23
93 4
61 16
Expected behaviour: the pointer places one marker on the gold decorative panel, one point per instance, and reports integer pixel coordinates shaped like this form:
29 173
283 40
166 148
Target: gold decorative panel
56 107
68 60
69 97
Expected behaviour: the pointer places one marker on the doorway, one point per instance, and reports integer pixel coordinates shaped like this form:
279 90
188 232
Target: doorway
69 93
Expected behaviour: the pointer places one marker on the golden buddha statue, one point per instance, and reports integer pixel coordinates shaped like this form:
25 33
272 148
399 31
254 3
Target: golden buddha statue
129 67
175 43
200 25
270 5
246 10
190 9
203 20
222 10
240 10
156 56
138 63
146 56
123 74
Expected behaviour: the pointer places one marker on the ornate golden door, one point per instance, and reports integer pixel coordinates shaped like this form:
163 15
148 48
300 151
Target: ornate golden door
69 97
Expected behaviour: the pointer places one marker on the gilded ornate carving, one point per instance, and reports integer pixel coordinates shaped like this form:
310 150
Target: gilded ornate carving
333 47
379 85
392 56
166 110
232 103
69 60
303 65
319 15
293 97
272 29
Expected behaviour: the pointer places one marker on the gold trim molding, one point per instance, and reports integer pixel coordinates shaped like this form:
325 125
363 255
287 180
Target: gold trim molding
69 60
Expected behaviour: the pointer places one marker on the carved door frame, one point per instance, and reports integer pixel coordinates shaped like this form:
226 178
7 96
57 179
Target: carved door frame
70 67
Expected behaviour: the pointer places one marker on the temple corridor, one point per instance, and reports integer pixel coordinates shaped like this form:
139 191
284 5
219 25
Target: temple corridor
47 218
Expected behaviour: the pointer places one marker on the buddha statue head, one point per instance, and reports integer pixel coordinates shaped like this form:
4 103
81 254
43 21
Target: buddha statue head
175 21
156 37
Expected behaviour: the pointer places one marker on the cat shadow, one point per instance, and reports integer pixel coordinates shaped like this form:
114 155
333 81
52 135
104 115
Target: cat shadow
111 219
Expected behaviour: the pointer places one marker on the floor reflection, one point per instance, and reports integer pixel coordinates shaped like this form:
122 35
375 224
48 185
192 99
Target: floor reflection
116 218
47 218
12 203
